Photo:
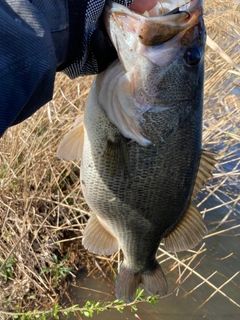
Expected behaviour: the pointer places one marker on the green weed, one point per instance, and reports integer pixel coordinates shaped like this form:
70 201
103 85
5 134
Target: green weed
58 270
8 269
88 310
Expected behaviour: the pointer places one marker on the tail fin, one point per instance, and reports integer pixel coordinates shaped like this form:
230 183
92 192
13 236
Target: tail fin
127 284
154 282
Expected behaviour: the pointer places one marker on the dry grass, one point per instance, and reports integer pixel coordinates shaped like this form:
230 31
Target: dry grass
42 210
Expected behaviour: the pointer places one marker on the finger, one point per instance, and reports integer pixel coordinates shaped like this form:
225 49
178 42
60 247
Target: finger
140 6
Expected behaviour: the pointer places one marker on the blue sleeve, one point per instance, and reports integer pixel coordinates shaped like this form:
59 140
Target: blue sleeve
40 37
27 62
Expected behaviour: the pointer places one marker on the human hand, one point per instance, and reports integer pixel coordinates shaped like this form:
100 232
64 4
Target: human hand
92 51
99 41
141 6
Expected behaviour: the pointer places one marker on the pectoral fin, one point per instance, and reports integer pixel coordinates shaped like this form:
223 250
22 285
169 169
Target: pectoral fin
71 147
117 151
97 239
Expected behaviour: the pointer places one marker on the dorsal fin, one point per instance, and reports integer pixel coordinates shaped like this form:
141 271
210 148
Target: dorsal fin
188 232
71 147
97 239
191 229
206 166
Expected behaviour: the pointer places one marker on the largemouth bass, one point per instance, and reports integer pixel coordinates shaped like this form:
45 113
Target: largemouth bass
140 142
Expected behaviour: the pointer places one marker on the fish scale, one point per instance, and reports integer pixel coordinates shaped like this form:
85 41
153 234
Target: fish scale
140 144
152 203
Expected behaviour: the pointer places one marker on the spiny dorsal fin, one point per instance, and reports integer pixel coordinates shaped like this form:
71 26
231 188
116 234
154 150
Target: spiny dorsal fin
188 232
71 147
97 239
206 166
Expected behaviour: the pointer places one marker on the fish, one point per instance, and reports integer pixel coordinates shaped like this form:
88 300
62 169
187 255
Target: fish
140 142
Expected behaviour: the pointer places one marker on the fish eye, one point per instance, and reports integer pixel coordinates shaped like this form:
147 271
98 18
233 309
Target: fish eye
192 56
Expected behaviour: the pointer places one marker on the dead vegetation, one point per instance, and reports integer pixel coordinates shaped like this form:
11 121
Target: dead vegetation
43 212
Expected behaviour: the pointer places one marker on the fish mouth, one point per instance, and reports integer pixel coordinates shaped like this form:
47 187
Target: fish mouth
175 6
166 20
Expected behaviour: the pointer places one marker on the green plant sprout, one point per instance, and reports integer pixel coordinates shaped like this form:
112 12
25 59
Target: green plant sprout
58 269
7 271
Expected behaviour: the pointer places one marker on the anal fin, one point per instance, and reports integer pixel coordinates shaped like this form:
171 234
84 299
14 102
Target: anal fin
188 232
97 239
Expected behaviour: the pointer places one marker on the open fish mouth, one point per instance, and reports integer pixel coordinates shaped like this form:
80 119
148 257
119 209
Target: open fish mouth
160 24
171 36
174 7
